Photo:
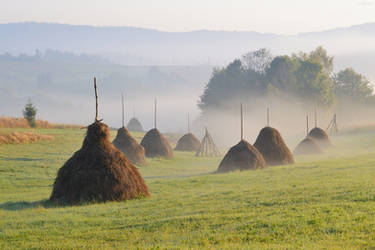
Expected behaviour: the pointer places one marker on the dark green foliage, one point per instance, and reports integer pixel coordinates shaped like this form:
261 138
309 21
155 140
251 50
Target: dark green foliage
29 113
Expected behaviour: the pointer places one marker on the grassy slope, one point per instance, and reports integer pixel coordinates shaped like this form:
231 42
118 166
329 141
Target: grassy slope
321 202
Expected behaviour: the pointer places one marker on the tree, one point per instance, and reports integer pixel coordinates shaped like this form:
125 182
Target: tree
350 84
258 60
320 56
281 73
29 113
229 83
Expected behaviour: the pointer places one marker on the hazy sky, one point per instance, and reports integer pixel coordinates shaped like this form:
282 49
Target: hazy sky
276 16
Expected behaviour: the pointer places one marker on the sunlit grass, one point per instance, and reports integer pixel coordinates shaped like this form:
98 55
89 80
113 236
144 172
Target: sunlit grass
325 201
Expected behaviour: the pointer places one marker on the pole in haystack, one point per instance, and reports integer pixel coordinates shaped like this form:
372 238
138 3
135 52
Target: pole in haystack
188 122
307 125
98 172
155 114
123 110
268 116
241 121
315 117
96 100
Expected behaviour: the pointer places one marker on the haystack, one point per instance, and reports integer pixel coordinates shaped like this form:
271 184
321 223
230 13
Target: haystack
188 142
156 145
273 148
242 156
307 146
135 125
98 172
129 146
320 136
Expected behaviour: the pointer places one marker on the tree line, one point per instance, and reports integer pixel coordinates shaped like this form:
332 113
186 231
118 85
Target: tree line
307 77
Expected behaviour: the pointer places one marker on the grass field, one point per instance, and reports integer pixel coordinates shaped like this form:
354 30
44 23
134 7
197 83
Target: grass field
325 201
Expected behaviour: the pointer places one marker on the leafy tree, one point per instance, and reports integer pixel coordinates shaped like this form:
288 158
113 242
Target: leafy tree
258 60
314 83
29 113
234 81
350 84
281 73
320 56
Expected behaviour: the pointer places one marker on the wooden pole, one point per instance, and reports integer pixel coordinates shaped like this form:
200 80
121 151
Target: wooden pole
307 125
188 123
315 117
96 100
268 116
155 114
133 111
241 122
123 110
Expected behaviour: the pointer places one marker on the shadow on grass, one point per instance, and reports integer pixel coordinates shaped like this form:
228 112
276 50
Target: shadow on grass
21 159
23 205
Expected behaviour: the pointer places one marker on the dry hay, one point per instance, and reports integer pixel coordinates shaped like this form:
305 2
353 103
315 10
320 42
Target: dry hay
14 122
307 146
242 156
27 137
156 144
273 148
320 136
98 172
129 146
188 142
135 125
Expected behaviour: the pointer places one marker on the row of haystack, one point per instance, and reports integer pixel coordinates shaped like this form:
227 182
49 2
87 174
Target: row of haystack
270 149
100 172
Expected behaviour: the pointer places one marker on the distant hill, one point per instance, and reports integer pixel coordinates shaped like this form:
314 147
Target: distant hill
137 46
172 66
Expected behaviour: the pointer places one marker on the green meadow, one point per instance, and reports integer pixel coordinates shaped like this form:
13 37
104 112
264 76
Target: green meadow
325 201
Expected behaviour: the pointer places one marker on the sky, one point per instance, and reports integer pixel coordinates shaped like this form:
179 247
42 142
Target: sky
268 16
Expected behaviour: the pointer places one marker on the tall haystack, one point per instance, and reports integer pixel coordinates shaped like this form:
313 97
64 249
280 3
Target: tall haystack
242 156
320 136
129 146
307 146
98 172
156 145
273 148
207 148
188 142
135 125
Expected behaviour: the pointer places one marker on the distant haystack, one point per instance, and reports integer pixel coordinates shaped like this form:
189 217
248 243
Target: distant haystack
156 145
129 146
273 148
320 136
242 156
135 125
207 147
307 146
188 142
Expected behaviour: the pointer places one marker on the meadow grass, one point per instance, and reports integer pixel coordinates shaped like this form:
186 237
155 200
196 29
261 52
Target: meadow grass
325 201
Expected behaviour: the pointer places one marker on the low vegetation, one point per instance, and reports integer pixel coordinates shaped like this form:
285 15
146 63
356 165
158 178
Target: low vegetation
26 137
322 201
